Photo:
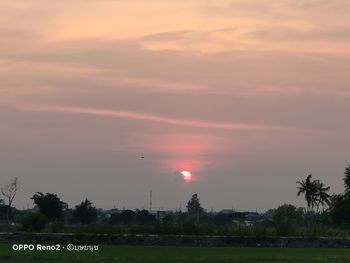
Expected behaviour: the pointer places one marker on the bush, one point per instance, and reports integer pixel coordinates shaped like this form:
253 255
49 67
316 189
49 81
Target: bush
34 222
5 227
57 227
260 231
286 229
140 229
168 228
242 231
189 228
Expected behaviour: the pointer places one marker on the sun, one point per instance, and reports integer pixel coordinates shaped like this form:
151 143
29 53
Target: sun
187 176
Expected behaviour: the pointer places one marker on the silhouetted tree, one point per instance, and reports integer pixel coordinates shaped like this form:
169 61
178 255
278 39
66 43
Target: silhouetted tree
50 205
127 217
340 204
288 213
144 217
287 217
9 191
340 208
194 206
322 196
315 192
308 188
223 218
3 211
115 219
84 213
347 180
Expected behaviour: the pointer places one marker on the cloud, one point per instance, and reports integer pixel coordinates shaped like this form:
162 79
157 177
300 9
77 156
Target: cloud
150 117
315 34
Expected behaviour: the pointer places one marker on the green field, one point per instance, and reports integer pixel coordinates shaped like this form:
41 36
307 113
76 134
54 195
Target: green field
142 254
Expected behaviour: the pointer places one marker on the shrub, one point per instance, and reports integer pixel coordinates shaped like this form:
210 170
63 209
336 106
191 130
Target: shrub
259 231
57 227
286 229
34 222
189 228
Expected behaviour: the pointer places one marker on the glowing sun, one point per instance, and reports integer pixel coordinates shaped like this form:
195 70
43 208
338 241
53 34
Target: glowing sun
187 176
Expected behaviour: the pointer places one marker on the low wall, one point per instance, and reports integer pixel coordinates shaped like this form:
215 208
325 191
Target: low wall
174 240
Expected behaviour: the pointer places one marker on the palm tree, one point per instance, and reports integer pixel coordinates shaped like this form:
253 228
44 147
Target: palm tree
323 198
309 189
316 193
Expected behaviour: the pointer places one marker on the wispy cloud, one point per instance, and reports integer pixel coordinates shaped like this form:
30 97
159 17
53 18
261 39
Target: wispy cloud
150 117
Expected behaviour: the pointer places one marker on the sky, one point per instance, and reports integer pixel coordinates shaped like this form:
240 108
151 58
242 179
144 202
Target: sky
108 99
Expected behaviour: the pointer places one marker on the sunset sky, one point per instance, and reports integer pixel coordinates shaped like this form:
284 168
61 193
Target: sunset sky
247 95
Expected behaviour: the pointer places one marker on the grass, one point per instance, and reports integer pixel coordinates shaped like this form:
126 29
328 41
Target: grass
143 254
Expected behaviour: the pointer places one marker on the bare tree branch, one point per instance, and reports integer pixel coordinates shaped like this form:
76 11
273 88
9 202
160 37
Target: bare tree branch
9 191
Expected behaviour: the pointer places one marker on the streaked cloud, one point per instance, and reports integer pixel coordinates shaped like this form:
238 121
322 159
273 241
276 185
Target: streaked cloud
150 117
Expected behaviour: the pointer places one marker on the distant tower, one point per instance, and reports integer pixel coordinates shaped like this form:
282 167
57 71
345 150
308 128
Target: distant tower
150 200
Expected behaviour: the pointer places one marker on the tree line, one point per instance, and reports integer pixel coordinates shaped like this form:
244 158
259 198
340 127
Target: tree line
322 210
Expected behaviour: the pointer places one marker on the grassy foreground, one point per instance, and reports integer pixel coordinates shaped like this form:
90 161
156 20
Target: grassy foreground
177 254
